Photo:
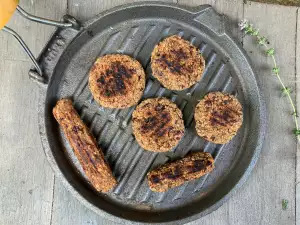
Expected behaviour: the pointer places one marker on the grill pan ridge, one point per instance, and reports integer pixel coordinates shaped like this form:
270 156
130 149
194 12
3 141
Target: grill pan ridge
135 29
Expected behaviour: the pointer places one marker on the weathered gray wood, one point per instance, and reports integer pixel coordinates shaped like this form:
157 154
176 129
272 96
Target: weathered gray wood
27 181
34 34
233 9
25 176
259 202
67 210
84 10
298 109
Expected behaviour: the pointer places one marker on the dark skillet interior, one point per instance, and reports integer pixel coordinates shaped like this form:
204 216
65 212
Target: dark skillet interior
135 30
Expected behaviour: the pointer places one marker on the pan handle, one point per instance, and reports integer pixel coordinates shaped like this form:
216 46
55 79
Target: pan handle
69 22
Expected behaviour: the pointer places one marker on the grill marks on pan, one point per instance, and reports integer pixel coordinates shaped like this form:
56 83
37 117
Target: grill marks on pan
102 81
116 79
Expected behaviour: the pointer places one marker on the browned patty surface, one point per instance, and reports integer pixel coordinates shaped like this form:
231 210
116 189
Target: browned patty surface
218 117
84 146
176 63
157 124
176 173
117 81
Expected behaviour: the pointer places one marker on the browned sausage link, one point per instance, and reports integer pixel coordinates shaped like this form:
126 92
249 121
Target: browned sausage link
84 146
176 173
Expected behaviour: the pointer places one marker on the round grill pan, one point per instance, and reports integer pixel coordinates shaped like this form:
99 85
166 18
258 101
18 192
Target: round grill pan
134 30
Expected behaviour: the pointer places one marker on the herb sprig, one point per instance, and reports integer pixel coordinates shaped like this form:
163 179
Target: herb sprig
284 204
249 29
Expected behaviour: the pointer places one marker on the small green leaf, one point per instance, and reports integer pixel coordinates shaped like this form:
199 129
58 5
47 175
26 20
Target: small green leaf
286 91
249 29
296 132
270 51
255 32
275 70
284 204
262 40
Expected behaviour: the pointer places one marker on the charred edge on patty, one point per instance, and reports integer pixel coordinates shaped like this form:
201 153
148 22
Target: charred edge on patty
175 61
115 79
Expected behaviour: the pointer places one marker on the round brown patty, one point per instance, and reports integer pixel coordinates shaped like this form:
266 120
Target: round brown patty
218 117
176 63
117 81
157 124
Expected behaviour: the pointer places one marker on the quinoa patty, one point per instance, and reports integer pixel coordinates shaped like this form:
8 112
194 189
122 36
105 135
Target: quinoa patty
176 63
157 124
218 117
117 81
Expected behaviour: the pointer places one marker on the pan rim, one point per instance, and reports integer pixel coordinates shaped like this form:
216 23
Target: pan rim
241 181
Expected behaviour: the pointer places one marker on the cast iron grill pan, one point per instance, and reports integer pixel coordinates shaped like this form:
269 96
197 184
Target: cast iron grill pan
134 30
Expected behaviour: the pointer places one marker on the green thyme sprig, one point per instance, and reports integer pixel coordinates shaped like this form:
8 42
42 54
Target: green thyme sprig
284 204
248 29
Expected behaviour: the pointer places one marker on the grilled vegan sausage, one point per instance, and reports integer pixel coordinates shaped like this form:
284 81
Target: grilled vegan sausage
176 173
84 146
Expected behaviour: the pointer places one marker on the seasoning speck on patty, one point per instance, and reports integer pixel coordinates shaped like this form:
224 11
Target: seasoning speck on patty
157 124
218 117
176 63
117 81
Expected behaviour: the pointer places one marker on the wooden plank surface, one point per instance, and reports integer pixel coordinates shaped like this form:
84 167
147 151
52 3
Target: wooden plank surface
233 9
26 179
84 10
260 201
298 109
282 2
30 195
67 210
